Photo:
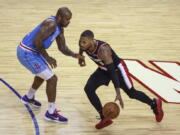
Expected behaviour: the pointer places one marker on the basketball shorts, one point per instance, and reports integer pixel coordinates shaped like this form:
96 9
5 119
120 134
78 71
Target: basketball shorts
101 77
34 62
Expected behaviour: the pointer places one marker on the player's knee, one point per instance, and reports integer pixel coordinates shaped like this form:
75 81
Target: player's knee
89 89
131 95
38 79
131 92
53 78
86 89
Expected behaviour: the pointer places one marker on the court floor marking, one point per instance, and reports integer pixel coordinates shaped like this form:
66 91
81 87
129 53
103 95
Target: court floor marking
36 126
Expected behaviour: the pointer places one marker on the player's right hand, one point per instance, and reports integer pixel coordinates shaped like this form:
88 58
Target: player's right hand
81 62
118 97
78 56
52 62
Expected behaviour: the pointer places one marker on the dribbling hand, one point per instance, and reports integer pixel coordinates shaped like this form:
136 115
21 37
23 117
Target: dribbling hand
118 97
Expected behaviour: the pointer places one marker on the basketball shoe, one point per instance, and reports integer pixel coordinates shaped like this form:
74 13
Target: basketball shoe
157 109
32 102
103 123
55 117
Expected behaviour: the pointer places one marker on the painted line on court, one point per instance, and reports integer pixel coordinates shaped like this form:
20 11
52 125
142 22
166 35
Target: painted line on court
36 126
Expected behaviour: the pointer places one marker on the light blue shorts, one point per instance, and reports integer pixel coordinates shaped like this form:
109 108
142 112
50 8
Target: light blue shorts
33 61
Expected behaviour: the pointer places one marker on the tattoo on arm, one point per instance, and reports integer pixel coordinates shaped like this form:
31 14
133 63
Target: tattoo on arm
105 54
47 28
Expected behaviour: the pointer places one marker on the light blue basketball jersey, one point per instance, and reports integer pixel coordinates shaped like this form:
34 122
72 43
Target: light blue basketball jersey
28 40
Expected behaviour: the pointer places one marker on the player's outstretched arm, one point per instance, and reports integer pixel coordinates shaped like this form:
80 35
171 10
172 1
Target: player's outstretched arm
105 55
47 28
64 48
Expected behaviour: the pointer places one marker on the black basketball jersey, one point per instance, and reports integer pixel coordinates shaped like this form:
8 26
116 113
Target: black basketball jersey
99 62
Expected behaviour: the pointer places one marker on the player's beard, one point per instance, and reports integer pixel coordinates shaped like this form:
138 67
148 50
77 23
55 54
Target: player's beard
87 49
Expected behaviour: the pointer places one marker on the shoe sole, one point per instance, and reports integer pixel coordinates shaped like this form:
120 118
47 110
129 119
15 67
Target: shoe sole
26 103
56 121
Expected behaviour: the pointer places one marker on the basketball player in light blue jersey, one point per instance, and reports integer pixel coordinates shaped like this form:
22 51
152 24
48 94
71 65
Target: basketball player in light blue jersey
32 54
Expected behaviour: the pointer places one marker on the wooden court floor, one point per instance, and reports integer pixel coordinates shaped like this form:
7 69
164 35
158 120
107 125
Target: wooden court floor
136 29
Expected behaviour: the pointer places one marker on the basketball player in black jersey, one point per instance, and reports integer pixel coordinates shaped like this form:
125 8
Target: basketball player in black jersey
110 67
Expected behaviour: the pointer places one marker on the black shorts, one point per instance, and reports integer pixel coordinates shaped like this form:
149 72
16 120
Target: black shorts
101 77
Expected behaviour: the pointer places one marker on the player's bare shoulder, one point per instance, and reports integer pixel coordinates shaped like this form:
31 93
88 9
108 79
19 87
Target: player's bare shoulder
48 25
47 28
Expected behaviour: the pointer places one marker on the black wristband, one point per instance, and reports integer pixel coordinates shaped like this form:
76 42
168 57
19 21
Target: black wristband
113 74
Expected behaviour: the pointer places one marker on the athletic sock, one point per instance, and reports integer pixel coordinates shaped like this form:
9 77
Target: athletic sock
31 93
51 107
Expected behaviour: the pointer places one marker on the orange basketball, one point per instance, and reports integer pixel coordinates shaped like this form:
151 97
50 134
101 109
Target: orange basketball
111 110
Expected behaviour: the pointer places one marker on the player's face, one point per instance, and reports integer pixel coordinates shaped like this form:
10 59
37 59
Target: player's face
65 19
85 43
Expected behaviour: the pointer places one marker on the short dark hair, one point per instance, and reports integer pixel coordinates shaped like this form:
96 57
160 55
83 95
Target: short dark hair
63 10
87 33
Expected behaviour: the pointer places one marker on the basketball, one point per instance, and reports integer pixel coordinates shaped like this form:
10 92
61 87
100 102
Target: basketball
111 110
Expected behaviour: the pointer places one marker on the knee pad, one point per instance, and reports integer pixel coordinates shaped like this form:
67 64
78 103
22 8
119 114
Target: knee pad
54 78
46 74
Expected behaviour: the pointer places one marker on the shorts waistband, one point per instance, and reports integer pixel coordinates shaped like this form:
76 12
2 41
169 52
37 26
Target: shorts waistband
27 48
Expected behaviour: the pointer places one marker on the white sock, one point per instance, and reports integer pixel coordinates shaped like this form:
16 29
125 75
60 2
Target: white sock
31 93
51 107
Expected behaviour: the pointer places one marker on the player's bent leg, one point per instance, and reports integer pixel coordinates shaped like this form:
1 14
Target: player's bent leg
95 101
97 79
93 98
52 114
127 85
31 93
139 95
29 98
34 63
156 104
